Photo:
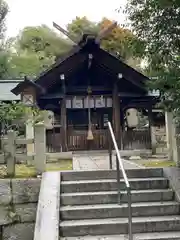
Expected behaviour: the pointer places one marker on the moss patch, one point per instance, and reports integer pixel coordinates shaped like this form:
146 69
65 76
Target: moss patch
24 171
156 163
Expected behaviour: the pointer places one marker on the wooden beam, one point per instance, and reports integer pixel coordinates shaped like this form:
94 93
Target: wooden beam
66 33
83 89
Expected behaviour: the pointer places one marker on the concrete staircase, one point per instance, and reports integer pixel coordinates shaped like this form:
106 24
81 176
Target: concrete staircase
89 209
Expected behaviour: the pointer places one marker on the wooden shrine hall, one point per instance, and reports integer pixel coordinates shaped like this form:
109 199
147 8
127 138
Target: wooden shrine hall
86 88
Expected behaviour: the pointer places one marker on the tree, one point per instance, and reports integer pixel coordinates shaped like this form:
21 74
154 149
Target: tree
28 64
16 114
82 25
120 42
157 23
41 39
3 13
3 55
4 65
34 50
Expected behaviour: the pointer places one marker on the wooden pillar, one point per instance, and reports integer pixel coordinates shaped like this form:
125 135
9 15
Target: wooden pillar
116 114
63 116
122 125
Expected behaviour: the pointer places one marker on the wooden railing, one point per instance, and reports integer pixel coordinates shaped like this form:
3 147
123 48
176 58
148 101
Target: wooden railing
136 139
77 140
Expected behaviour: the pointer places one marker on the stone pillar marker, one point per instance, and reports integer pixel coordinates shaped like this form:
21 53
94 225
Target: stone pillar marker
170 134
176 150
152 130
173 140
40 148
11 161
153 139
30 135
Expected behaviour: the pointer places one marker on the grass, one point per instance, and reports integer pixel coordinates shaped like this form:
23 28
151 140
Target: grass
24 171
156 163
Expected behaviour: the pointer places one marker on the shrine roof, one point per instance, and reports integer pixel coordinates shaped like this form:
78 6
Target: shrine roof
78 56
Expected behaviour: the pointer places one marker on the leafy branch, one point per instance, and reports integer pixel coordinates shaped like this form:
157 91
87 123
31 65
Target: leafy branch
17 113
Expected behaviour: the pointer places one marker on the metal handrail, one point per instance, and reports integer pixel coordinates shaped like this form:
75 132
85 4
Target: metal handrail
119 165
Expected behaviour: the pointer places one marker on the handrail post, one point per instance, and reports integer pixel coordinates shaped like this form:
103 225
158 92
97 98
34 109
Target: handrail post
118 180
129 213
119 165
110 151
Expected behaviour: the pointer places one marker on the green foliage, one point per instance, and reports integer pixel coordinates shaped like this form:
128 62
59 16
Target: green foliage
11 111
35 50
18 113
3 54
157 23
3 13
82 25
41 40
28 64
4 64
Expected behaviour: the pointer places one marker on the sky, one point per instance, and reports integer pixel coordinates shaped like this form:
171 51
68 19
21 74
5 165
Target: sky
24 13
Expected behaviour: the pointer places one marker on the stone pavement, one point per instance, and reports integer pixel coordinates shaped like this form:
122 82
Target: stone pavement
88 161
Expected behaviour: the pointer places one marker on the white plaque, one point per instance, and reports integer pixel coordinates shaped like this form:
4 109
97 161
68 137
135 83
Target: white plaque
99 102
68 103
109 102
89 103
77 102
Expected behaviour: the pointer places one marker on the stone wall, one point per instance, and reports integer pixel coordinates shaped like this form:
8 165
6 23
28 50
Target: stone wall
18 203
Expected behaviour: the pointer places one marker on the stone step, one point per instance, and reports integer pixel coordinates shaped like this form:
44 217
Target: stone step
110 174
114 226
82 198
116 211
140 236
111 184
